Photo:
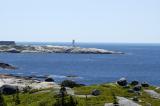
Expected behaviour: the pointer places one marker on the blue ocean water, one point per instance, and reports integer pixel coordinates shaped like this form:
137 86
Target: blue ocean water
140 62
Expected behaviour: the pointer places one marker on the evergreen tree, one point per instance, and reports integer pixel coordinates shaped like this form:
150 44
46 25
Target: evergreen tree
58 103
63 99
63 94
86 100
17 99
115 101
72 102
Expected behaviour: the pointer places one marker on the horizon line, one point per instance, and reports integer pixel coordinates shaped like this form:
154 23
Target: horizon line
88 42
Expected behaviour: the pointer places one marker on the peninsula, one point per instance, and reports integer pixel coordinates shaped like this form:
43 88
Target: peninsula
53 49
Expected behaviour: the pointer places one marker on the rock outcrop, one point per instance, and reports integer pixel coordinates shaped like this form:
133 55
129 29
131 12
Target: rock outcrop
145 84
10 82
8 89
7 66
123 102
70 83
96 92
53 49
137 88
134 83
122 82
153 94
49 79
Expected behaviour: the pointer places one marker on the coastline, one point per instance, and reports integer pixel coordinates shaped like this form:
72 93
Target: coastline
121 92
53 49
23 81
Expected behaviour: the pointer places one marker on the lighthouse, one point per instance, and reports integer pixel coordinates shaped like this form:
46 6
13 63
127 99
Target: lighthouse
73 43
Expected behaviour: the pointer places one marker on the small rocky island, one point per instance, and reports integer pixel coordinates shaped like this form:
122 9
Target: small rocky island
7 66
53 49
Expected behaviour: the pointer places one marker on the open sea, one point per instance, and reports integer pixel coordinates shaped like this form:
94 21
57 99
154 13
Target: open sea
140 62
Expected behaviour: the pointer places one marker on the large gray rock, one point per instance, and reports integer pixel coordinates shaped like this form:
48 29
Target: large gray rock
144 84
96 92
70 83
123 102
7 66
122 82
49 79
8 89
134 83
137 88
153 94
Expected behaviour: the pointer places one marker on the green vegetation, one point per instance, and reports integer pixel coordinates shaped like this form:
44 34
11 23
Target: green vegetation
32 99
63 100
109 91
2 102
50 98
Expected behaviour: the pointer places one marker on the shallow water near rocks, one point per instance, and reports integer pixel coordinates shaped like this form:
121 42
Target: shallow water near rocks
140 62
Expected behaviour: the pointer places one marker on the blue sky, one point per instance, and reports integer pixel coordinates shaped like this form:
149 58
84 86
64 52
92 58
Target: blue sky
131 21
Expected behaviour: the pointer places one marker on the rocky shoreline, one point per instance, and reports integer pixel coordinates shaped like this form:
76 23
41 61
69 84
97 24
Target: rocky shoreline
42 82
22 82
53 49
122 92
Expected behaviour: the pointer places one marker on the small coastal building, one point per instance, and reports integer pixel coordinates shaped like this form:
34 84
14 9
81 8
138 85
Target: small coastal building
7 43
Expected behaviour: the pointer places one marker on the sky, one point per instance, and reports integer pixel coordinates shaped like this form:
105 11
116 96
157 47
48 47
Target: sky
107 21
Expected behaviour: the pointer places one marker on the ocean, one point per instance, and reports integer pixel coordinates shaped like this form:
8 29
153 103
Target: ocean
140 62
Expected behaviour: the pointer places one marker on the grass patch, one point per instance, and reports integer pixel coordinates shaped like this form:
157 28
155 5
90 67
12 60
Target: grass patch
106 96
107 91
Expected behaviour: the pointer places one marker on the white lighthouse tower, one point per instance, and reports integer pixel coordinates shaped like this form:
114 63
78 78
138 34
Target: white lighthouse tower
73 43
